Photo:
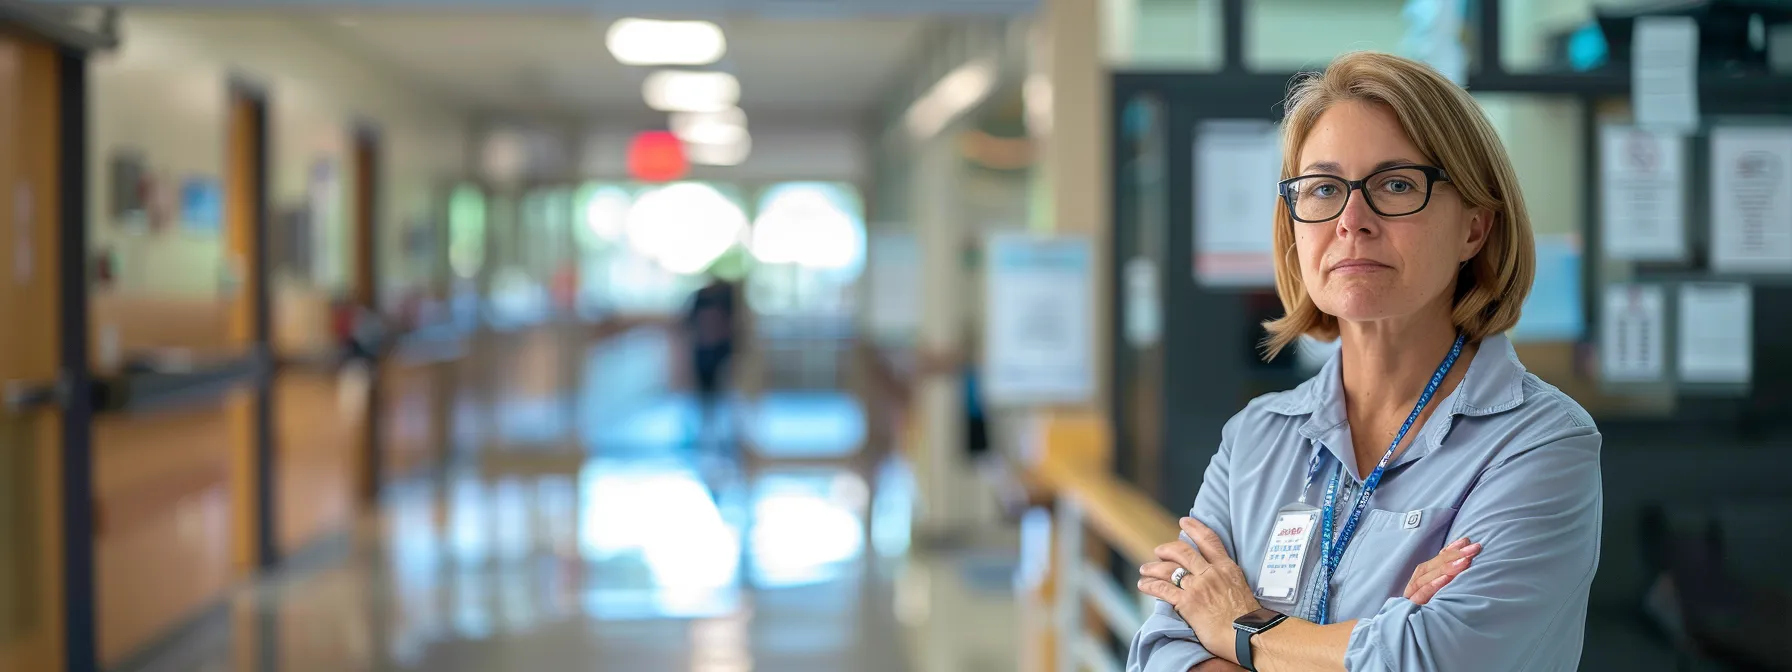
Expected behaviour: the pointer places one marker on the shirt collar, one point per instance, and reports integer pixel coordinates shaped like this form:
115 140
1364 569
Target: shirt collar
1493 384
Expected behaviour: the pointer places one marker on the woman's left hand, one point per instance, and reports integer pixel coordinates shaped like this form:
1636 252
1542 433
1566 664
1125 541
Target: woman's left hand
1213 593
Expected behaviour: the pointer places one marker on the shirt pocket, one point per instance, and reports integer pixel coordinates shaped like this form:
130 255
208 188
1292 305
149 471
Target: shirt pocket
1389 545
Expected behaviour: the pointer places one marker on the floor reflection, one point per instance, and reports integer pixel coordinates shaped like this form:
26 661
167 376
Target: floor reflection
632 565
643 553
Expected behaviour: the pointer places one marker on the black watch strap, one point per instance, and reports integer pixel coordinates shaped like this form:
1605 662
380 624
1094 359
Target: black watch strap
1250 625
1244 649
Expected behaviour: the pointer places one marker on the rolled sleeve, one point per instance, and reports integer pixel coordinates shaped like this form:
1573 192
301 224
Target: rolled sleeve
1165 643
1522 604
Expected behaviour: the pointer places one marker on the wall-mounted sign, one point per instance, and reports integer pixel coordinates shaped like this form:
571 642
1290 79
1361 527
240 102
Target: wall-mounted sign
201 204
1642 194
1633 334
1751 199
1237 163
1039 342
656 156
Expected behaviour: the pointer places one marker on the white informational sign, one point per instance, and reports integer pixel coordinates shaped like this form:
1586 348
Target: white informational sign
1716 333
1642 193
1039 339
1633 343
1664 60
1751 199
1144 314
1237 164
893 286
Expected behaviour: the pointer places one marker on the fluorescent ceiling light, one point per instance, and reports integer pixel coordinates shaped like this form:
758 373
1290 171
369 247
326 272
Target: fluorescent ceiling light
652 42
729 154
687 91
956 93
709 128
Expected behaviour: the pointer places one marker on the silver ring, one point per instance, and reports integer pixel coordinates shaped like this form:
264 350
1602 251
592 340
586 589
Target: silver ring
1176 577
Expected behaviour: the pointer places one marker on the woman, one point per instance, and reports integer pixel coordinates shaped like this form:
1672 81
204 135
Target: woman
1404 236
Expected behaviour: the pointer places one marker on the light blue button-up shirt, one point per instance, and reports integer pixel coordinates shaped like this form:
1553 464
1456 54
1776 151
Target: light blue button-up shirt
1507 461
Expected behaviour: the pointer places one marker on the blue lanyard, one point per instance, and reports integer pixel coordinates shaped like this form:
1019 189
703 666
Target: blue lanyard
1331 554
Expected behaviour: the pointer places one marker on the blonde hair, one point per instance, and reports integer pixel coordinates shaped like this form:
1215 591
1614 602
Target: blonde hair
1450 129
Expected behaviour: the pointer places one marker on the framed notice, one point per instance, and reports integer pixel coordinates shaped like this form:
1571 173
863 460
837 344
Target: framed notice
1633 335
1237 163
1039 334
1642 176
1751 200
1716 333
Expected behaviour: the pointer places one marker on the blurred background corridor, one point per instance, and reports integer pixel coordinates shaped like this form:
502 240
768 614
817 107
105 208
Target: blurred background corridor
798 335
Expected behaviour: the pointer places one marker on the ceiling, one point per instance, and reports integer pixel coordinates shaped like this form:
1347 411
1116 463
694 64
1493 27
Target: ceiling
556 64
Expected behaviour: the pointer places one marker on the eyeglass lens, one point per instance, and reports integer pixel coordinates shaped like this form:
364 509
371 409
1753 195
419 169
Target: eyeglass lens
1391 193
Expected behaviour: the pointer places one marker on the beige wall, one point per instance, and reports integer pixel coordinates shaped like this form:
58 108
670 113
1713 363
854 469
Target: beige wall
163 93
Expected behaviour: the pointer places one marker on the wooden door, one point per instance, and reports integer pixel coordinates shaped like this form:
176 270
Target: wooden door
31 525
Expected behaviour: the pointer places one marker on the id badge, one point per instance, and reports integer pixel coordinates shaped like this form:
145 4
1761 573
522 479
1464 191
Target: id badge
1289 556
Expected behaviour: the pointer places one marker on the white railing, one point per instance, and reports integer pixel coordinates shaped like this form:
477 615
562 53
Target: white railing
1080 583
1078 599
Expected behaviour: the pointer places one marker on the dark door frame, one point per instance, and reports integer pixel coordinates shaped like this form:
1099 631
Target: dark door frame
80 610
366 155
252 93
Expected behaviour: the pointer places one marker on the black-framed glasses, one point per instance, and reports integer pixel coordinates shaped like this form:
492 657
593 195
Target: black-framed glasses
1396 191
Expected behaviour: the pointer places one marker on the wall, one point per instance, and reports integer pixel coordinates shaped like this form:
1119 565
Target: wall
170 484
163 94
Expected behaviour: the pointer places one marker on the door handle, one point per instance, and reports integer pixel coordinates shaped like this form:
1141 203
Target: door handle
25 395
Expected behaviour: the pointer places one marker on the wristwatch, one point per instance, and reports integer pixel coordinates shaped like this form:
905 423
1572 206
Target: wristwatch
1252 624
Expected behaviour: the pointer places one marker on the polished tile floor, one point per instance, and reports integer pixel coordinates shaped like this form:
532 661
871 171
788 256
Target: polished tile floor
645 553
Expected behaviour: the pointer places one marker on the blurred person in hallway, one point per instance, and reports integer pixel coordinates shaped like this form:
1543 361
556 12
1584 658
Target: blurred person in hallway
711 326
1424 502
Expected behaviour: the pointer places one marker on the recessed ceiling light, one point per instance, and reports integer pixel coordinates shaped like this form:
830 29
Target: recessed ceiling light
687 91
654 42
709 128
730 154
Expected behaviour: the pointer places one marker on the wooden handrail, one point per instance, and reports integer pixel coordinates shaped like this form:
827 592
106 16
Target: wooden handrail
1071 460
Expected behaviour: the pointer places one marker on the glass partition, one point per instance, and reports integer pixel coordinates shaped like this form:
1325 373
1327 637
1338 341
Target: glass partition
1181 34
1289 35
809 241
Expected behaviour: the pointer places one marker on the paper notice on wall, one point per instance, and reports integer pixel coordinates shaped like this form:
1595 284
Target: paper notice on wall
1633 334
1237 164
1751 199
1039 340
1716 333
1642 194
1664 72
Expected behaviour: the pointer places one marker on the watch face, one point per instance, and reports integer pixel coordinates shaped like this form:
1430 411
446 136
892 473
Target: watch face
1259 619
